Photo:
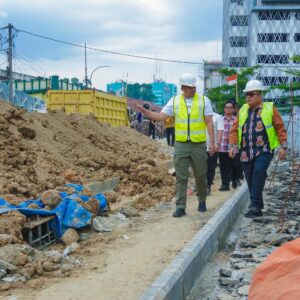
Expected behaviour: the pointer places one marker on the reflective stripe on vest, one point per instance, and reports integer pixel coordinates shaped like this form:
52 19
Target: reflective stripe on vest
267 119
189 126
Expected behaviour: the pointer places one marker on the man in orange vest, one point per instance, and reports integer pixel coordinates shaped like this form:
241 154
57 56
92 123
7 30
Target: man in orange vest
257 131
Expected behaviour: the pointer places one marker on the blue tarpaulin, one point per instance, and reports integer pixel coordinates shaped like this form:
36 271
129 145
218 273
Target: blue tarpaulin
69 213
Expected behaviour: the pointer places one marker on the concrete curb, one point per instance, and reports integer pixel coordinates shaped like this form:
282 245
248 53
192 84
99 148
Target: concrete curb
175 282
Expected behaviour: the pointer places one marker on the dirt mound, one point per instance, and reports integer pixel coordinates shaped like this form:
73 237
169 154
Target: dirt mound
40 152
11 225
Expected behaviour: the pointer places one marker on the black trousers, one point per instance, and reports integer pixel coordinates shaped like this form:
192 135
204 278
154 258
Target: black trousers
256 175
170 132
211 168
152 132
228 169
238 166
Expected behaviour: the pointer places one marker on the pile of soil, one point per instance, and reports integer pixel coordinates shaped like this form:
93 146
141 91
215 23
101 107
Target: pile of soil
40 152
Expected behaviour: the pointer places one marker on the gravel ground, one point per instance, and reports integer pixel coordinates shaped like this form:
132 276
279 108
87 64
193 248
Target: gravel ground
228 275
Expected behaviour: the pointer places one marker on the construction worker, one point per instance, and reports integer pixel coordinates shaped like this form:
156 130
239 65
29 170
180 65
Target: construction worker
258 131
192 114
170 130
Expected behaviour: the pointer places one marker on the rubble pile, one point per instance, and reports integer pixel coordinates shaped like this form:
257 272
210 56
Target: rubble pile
40 152
42 157
19 263
258 238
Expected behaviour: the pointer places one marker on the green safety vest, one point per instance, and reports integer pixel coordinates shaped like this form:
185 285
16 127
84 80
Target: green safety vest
267 119
189 126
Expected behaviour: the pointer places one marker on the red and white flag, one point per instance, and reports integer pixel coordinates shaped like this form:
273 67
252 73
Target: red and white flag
231 80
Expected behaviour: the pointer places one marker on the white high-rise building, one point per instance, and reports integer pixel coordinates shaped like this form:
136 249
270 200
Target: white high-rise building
265 33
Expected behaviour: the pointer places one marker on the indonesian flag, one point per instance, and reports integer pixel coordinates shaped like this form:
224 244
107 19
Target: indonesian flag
231 80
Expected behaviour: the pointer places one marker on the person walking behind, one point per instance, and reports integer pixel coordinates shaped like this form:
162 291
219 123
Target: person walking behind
170 130
212 160
257 131
227 163
139 121
237 165
152 129
193 114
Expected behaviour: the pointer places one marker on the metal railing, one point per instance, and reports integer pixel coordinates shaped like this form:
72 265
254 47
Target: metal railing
293 130
21 99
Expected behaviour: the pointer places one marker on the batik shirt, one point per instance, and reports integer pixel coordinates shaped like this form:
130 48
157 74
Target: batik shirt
254 136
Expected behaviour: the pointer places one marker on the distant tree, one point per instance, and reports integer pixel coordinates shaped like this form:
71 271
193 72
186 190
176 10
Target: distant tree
140 91
220 95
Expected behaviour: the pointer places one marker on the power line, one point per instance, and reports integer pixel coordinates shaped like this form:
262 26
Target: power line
29 63
109 51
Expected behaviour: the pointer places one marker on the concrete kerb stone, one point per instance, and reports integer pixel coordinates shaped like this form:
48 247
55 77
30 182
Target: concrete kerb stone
176 280
105 186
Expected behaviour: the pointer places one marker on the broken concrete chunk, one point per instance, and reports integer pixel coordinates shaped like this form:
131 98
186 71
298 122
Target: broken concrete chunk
7 266
101 224
70 236
225 272
239 254
67 268
2 273
229 281
129 212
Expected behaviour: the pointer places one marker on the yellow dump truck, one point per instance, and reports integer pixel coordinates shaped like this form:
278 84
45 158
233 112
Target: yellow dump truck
105 107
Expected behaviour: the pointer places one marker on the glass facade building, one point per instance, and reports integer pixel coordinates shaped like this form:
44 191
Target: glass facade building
265 33
163 91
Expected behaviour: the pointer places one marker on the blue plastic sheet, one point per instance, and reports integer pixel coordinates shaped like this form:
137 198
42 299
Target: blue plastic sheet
68 214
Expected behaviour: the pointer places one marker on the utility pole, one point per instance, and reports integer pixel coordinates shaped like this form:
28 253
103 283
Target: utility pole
10 65
85 59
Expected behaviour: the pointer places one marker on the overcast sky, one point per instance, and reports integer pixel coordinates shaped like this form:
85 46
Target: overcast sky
189 30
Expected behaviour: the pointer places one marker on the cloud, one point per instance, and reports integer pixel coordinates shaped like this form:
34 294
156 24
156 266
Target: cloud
181 30
3 14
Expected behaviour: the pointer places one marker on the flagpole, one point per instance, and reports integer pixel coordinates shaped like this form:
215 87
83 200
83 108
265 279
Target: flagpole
236 90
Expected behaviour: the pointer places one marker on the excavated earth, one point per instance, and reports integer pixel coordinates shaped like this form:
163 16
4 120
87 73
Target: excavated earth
40 153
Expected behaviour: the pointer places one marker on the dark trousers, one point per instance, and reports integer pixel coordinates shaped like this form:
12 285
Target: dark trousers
256 174
238 166
152 132
211 168
170 132
227 168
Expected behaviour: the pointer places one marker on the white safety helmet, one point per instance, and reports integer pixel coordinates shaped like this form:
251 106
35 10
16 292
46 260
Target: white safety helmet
254 85
188 79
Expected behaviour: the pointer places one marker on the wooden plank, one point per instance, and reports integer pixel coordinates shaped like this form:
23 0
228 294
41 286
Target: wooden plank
35 223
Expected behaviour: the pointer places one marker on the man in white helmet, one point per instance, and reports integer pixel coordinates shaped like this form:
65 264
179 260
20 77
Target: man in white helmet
193 115
257 131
